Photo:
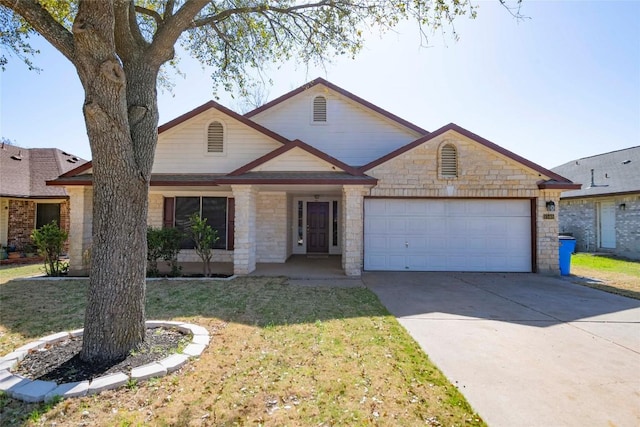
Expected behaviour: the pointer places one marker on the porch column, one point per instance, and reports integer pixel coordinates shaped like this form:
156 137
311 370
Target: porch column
244 252
353 226
547 233
80 229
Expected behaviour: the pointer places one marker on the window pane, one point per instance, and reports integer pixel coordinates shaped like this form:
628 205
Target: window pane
300 222
214 209
185 207
47 212
335 223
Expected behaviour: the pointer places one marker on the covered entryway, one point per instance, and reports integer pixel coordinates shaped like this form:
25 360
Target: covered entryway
317 227
447 235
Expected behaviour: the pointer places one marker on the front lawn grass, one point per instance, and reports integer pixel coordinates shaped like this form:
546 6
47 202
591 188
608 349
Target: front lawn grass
280 355
611 274
13 271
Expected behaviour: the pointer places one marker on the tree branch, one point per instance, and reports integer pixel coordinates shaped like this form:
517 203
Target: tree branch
260 8
161 49
152 13
127 35
168 8
38 17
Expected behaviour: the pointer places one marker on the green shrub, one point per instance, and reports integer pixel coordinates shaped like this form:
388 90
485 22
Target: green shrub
204 238
49 239
163 243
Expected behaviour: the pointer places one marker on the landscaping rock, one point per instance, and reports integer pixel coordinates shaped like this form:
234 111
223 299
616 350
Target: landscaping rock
77 389
34 391
108 382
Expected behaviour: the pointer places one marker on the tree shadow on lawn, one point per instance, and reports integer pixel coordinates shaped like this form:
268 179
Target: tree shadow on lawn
34 308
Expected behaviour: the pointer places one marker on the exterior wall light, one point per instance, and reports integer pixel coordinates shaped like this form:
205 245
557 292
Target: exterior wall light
551 206
623 206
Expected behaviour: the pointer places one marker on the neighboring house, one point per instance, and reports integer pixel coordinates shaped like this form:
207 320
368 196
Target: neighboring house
26 202
322 171
605 214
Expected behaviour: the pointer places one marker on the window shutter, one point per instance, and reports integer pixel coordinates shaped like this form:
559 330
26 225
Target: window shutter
320 109
231 223
215 138
449 161
168 212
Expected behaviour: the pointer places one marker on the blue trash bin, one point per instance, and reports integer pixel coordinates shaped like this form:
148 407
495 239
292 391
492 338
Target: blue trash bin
567 247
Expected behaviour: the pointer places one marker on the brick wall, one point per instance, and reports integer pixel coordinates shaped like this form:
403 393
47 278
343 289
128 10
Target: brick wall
22 220
579 217
628 226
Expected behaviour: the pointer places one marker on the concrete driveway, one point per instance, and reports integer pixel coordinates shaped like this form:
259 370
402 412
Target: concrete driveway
524 349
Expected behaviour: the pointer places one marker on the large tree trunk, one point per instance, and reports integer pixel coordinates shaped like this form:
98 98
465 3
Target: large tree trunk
123 153
121 117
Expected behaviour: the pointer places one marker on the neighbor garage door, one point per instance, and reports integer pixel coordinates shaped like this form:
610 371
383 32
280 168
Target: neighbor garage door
447 235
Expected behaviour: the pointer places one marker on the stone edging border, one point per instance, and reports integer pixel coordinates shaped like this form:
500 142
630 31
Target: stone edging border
28 390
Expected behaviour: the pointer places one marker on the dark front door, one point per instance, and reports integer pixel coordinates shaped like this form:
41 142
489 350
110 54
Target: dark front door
318 227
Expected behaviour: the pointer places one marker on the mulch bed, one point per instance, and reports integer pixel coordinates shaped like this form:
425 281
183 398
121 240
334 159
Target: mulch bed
61 362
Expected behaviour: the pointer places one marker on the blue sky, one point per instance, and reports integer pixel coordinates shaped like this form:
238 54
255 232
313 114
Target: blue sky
562 85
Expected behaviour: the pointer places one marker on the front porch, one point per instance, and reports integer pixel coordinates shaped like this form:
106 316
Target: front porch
276 226
295 267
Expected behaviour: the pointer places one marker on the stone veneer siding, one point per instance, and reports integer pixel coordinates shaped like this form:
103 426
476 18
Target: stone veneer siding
244 254
22 221
482 173
579 218
271 227
353 228
80 228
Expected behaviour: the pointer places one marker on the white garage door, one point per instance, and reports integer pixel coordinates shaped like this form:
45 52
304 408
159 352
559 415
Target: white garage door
447 235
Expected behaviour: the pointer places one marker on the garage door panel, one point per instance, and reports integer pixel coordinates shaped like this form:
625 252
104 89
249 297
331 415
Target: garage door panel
447 235
374 224
397 262
397 225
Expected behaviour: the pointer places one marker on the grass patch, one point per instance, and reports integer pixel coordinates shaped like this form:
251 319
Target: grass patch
608 273
280 355
10 272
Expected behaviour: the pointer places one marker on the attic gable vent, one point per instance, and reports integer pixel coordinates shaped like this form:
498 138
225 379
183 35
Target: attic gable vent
215 138
449 161
320 109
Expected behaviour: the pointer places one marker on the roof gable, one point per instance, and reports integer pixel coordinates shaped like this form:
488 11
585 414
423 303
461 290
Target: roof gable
607 173
553 180
281 160
212 104
295 159
354 98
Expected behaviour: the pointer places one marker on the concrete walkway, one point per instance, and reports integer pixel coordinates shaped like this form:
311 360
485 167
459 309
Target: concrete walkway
524 349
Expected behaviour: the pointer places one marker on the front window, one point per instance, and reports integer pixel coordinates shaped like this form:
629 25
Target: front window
335 223
300 223
46 213
214 209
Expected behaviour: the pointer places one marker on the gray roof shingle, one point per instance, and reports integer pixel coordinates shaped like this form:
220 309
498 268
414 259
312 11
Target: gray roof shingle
613 173
23 171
